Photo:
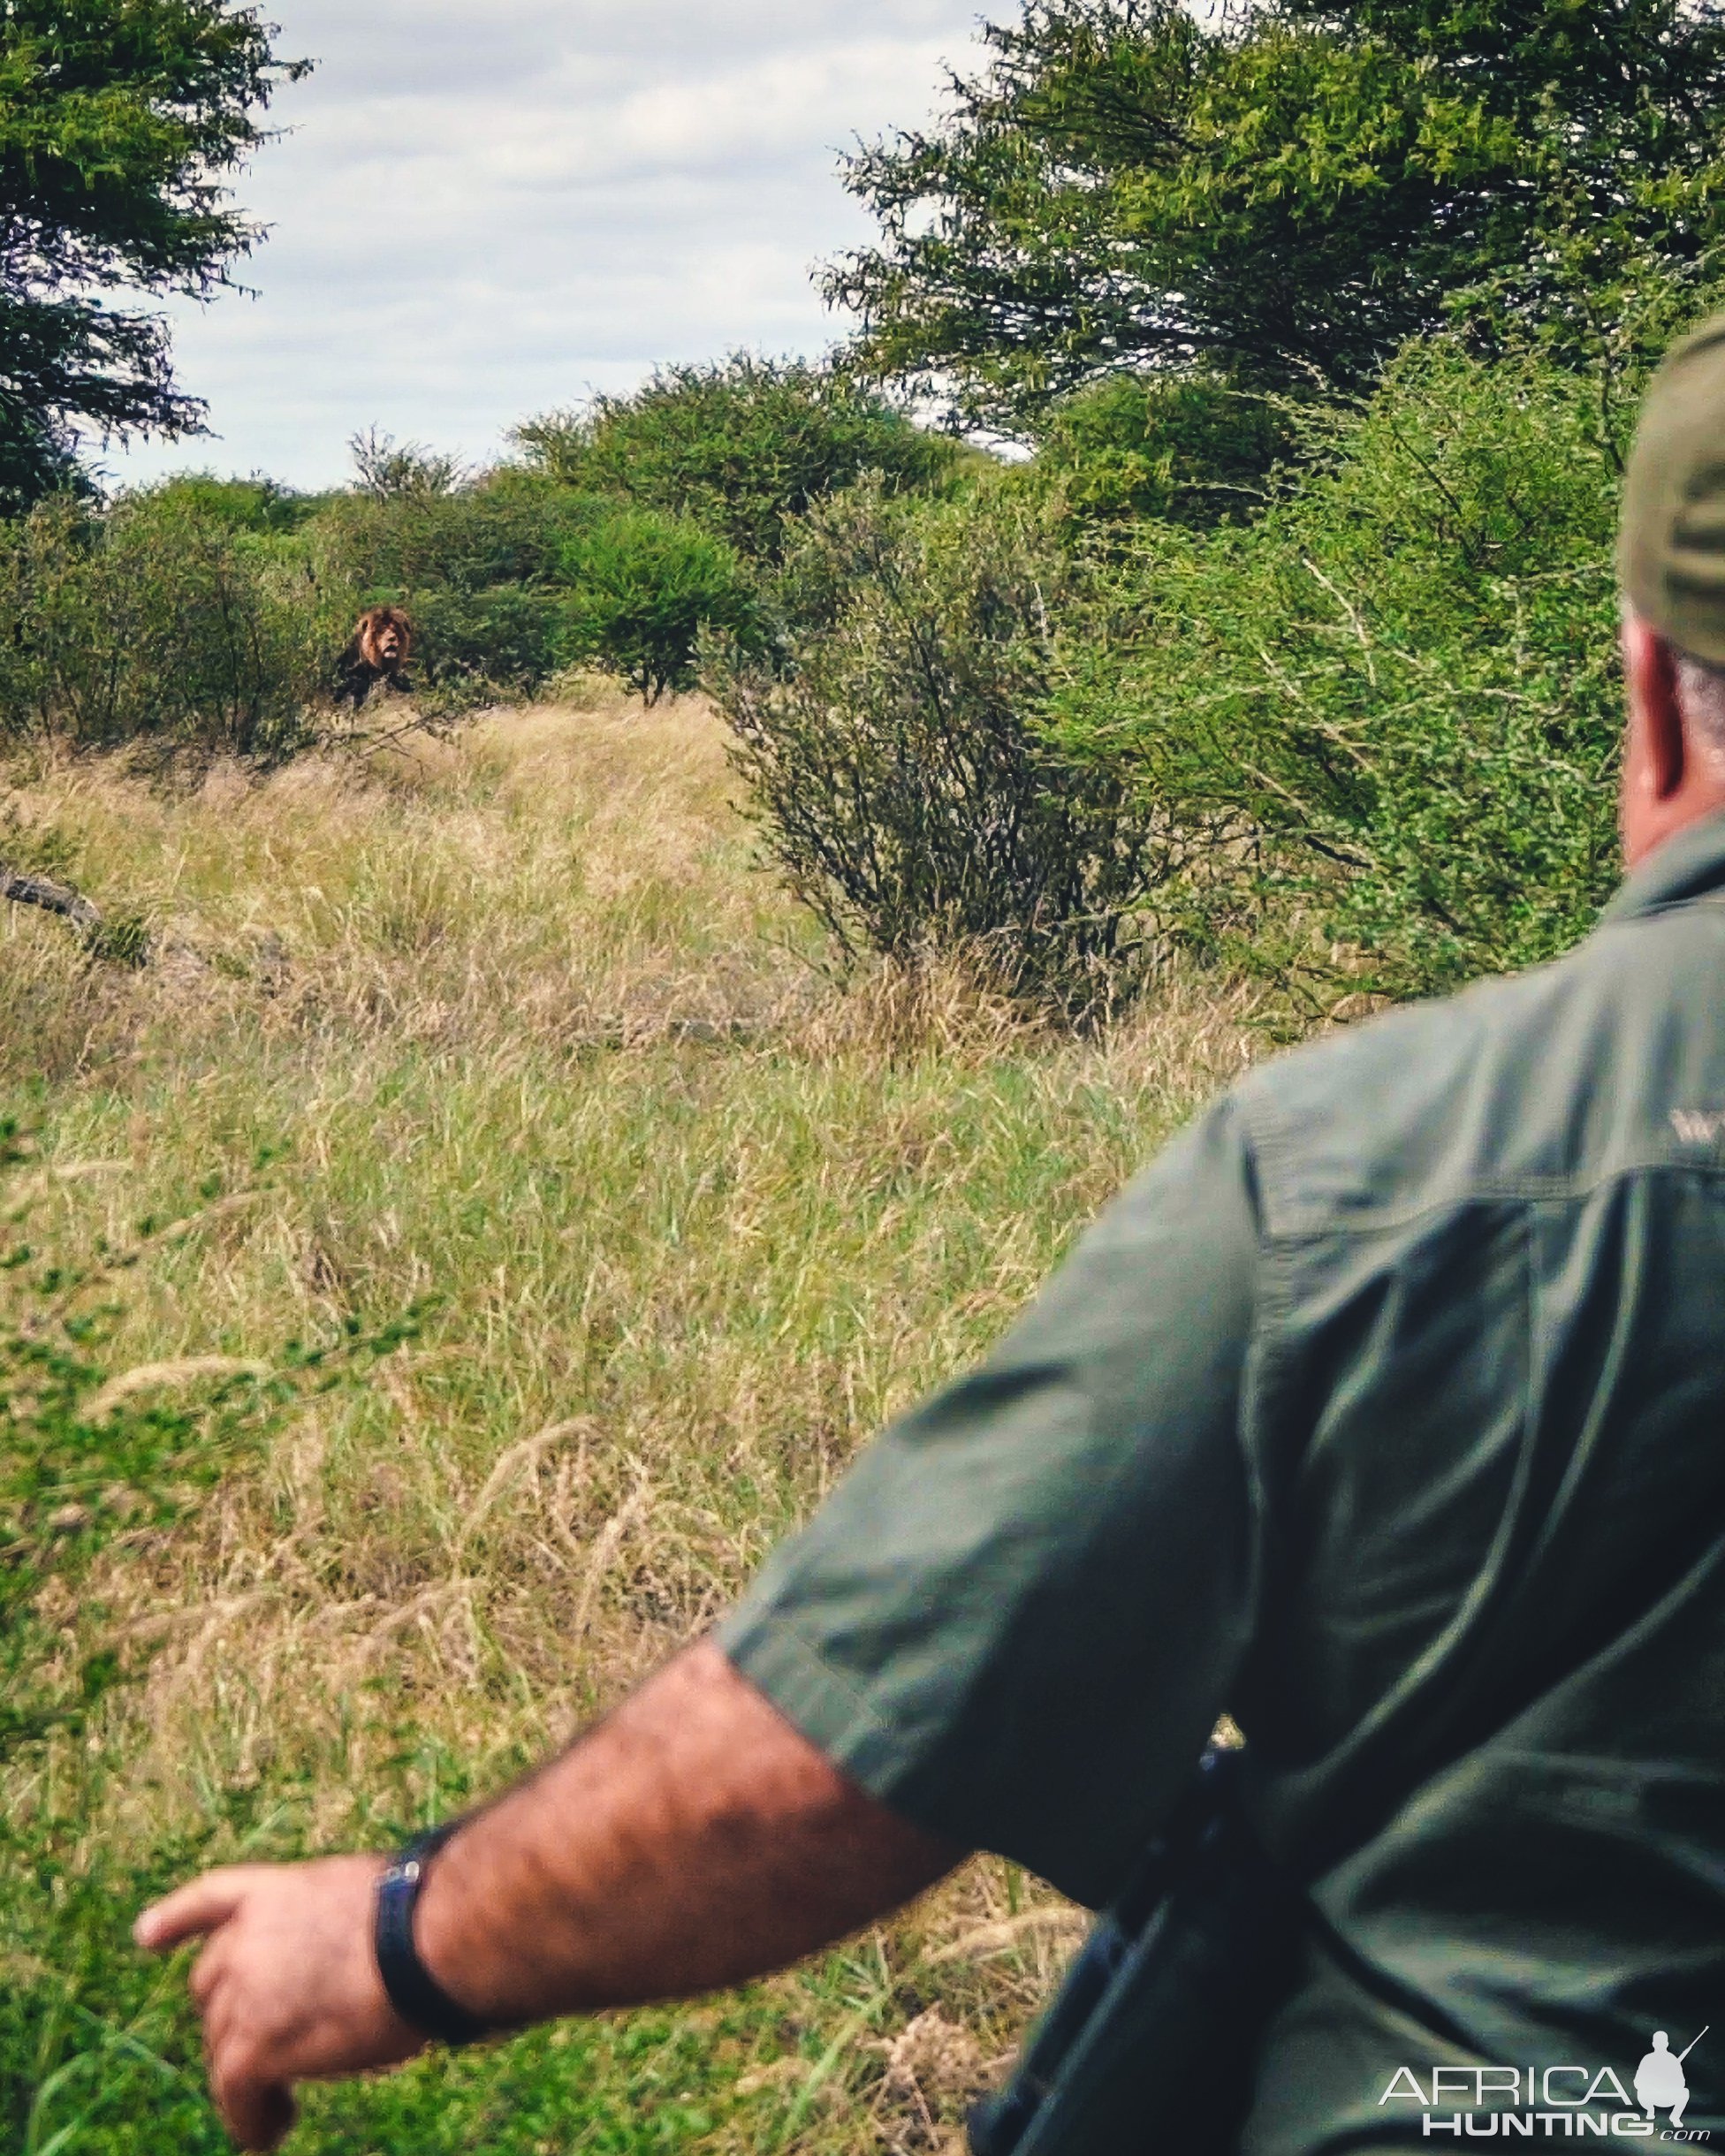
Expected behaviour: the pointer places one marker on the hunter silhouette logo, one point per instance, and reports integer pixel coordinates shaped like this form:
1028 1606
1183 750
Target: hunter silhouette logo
1659 2081
1543 2103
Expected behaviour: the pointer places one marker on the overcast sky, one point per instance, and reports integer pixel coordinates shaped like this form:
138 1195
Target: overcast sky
486 208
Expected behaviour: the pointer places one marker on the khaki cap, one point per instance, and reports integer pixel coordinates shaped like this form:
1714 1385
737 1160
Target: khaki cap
1672 551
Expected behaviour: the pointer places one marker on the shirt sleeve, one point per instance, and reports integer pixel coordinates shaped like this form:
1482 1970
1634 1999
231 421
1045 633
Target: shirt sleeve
1018 1617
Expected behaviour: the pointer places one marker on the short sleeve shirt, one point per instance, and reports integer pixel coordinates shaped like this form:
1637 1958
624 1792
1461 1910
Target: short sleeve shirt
1385 1411
1020 1616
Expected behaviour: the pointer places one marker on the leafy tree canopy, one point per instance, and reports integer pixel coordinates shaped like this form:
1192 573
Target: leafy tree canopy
119 122
738 445
1285 193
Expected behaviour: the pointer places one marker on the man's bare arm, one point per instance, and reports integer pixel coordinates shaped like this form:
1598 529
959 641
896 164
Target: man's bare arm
692 1839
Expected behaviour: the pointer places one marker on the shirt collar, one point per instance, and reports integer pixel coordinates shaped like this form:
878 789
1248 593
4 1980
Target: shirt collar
1687 866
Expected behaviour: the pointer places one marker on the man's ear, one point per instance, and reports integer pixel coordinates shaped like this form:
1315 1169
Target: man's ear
1657 747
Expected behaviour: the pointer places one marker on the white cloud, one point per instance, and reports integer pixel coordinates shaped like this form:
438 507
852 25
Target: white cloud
486 207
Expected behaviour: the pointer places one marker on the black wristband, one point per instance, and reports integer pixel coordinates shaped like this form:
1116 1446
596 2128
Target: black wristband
415 1992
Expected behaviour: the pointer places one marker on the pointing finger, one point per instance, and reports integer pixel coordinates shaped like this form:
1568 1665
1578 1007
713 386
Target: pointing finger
202 1906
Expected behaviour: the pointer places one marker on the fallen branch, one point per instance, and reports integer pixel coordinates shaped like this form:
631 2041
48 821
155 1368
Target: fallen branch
51 897
124 942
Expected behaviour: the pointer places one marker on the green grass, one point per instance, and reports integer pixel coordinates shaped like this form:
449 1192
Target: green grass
509 1022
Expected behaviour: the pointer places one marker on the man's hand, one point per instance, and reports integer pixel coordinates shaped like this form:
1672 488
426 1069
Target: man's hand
287 1985
691 1840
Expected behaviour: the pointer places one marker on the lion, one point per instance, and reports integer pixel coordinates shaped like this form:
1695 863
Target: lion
382 645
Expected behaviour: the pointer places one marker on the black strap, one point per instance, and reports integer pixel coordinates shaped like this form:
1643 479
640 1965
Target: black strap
414 1991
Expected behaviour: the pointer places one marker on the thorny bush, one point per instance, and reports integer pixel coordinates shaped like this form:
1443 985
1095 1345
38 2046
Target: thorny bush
903 780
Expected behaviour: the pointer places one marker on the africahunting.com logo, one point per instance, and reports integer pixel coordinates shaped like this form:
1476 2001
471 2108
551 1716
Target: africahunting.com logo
1484 2103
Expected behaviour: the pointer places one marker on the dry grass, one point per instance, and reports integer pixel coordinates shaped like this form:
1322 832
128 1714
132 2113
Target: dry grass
510 1019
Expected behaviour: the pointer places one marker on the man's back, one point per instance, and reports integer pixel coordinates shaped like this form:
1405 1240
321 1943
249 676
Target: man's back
1484 1408
1384 1411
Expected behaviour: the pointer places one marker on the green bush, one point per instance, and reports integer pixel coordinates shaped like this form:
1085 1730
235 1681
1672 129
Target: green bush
506 642
902 780
479 570
159 622
643 587
739 447
1192 448
1401 682
473 541
258 504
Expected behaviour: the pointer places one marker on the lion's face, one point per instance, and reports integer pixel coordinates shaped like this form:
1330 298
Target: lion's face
384 639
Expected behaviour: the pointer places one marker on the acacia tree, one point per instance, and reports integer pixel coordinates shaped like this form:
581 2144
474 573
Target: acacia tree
1281 194
120 122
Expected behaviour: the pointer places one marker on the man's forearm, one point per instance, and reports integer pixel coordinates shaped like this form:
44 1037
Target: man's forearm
691 1840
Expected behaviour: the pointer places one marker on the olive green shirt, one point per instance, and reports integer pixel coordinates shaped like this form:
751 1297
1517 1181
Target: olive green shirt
1385 1411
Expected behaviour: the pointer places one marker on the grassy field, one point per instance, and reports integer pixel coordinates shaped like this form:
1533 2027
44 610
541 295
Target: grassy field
513 1022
